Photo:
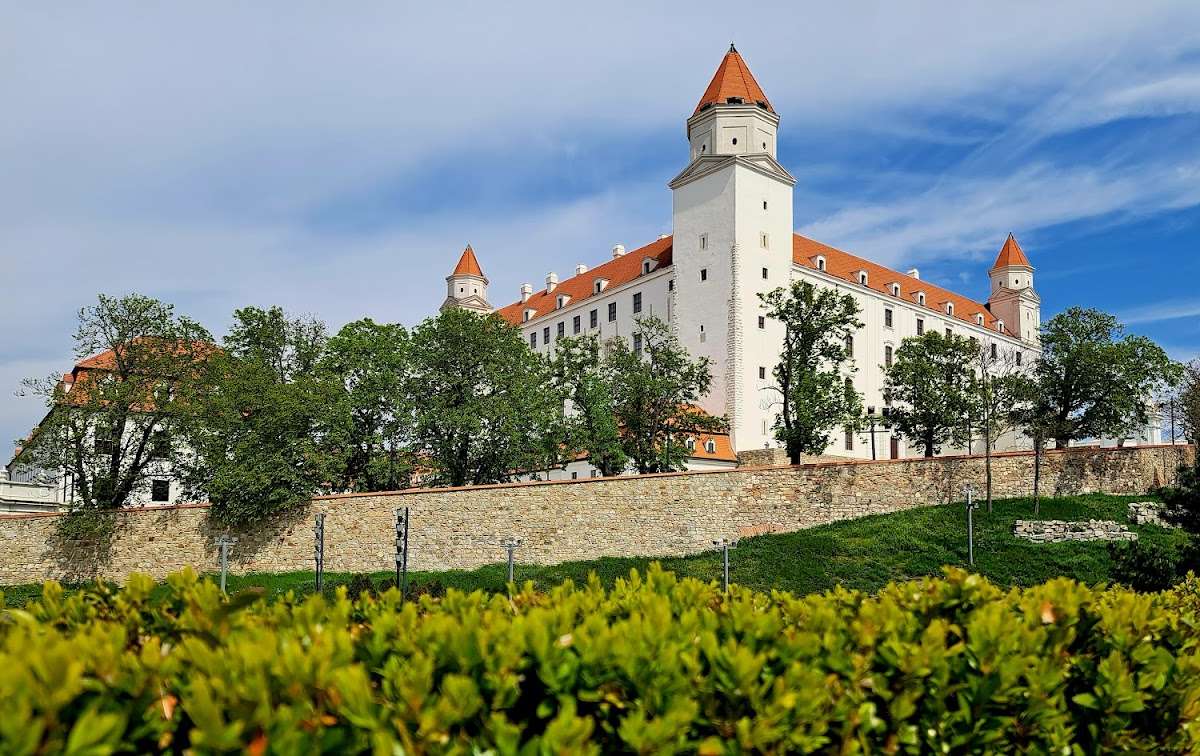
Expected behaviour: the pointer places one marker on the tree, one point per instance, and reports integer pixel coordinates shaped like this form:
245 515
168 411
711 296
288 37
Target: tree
586 380
483 404
116 422
263 419
1004 391
1093 380
656 385
810 378
370 361
933 381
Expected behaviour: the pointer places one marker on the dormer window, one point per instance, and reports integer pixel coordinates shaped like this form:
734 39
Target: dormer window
895 290
1000 326
529 313
691 444
599 285
862 277
710 446
647 266
920 297
561 301
820 263
979 318
949 308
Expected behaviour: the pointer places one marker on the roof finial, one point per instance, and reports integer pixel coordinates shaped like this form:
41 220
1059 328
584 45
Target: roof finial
732 48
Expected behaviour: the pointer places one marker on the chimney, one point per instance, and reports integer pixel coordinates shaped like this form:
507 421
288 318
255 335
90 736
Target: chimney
580 269
526 292
551 281
914 273
663 236
618 250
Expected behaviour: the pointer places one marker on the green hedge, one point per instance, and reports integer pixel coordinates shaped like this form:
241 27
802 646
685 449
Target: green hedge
656 665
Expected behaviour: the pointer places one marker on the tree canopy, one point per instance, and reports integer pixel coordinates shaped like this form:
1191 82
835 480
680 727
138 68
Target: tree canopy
933 383
811 377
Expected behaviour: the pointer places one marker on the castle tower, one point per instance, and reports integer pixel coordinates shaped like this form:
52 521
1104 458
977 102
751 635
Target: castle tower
466 287
1013 299
732 224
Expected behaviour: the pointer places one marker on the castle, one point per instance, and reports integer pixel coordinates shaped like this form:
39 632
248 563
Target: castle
732 239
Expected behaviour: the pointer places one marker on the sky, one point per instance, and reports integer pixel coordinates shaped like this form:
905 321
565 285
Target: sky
334 159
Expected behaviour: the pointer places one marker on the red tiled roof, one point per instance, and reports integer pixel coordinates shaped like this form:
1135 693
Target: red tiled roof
618 271
733 79
1011 254
467 264
846 266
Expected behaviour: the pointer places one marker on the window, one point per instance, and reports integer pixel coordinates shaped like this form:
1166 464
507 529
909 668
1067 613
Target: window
575 325
862 277
461 290
849 439
703 335
887 317
528 315
703 241
895 290
533 340
612 311
887 356
920 326
764 272
671 285
979 318
645 267
764 201
820 263
562 329
637 343
993 350
849 345
949 333
762 322
710 446
764 240
160 447
104 441
560 301
160 490
546 335
593 318
949 308
691 444
921 298
599 287
574 475
595 473
704 274
1018 358
637 303
1000 326
762 373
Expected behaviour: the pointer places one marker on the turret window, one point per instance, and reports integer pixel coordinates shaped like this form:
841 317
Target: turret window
704 274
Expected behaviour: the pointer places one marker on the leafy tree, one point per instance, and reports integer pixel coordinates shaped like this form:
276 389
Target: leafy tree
1003 393
370 360
263 418
1093 380
483 408
656 387
810 377
119 422
933 381
586 380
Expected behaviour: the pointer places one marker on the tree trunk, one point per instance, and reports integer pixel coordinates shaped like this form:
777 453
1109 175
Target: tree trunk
794 452
987 456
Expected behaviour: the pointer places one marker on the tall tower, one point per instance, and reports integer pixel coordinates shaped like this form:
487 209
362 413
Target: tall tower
1012 299
732 223
466 287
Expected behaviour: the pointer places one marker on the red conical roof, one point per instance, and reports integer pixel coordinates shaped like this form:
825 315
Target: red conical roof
1011 254
733 79
467 264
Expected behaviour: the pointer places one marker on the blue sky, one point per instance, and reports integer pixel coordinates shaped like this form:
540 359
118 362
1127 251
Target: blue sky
336 159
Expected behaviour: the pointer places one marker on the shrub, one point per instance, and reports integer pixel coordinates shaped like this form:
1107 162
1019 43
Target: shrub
1143 566
656 664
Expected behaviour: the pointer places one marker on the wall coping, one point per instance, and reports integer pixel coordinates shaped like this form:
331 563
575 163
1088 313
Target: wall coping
847 463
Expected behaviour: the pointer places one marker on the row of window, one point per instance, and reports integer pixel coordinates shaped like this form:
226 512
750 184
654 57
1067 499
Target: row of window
576 324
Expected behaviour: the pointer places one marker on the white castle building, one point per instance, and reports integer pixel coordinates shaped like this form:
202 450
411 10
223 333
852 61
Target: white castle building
732 239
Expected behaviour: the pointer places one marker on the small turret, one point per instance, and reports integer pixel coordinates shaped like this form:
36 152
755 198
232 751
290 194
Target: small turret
1013 299
466 287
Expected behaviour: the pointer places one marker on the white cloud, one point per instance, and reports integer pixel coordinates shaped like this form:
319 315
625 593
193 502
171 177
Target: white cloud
1158 312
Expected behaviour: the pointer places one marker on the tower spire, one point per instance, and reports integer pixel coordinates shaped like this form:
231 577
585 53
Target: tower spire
466 287
733 84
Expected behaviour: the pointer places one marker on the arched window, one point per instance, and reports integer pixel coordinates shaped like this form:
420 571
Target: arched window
710 446
820 263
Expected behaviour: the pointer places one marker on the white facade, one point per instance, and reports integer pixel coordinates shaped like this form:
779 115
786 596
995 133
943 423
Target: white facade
733 240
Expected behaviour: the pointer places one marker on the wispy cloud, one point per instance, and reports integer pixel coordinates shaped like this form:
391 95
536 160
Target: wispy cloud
1161 311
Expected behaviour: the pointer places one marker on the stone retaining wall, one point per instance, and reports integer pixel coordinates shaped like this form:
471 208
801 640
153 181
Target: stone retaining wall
1147 513
648 516
1058 531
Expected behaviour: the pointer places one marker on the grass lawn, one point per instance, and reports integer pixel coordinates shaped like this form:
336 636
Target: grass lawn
865 554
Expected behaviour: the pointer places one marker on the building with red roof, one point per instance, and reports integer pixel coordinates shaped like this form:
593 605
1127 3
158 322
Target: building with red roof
732 240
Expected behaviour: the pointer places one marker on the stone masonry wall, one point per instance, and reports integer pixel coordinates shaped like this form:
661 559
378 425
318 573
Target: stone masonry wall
653 515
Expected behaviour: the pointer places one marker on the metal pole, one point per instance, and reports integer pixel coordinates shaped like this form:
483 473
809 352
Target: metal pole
319 548
725 545
970 528
223 544
872 438
404 565
511 544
